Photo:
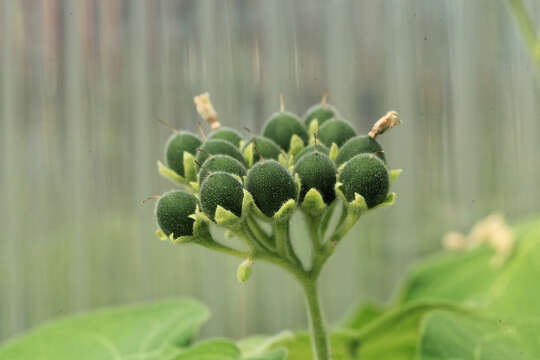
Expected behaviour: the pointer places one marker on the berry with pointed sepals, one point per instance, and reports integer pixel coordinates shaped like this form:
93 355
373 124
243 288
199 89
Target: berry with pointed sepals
366 175
178 143
266 148
223 189
227 134
271 185
336 131
172 212
321 112
217 146
281 126
359 145
316 170
311 148
223 163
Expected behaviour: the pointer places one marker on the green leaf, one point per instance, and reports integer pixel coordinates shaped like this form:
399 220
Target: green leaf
394 335
298 346
447 335
216 349
361 316
278 354
116 333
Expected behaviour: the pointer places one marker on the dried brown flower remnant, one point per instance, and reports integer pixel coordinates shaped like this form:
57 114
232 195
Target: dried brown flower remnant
386 122
206 110
454 240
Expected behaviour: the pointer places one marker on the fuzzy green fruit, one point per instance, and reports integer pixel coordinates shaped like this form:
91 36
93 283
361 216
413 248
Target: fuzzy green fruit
223 163
176 145
221 189
266 147
359 145
336 131
321 112
366 175
311 148
316 170
217 146
172 212
281 126
271 185
227 134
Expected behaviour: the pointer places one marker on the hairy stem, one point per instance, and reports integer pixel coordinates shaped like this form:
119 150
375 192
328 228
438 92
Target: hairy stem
317 324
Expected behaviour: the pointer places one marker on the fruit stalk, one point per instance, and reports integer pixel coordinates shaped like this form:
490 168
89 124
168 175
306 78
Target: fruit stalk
317 324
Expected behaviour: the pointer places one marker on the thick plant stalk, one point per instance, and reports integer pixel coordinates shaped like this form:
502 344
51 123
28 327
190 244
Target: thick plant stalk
317 324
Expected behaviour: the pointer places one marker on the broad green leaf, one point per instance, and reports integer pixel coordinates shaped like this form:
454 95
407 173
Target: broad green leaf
394 335
116 333
278 354
361 316
448 335
217 349
255 347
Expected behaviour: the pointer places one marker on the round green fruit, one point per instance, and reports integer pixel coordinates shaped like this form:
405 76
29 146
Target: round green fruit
176 145
359 145
316 170
217 146
321 112
223 163
271 185
281 126
266 147
366 175
311 148
221 189
227 134
336 131
172 212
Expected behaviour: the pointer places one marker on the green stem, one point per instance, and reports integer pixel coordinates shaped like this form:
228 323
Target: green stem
317 324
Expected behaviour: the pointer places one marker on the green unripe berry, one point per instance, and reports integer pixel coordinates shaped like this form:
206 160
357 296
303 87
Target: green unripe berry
266 147
321 112
227 134
311 148
221 189
359 145
271 185
316 170
172 212
176 145
217 146
336 131
366 175
223 163
281 126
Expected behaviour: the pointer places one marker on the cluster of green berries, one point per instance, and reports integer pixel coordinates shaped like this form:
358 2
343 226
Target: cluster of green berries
290 157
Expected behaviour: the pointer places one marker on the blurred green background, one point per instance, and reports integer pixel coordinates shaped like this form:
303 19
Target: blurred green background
83 83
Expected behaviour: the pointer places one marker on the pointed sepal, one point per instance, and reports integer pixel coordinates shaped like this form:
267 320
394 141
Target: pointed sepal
226 218
394 174
296 145
313 203
285 211
190 170
333 152
170 174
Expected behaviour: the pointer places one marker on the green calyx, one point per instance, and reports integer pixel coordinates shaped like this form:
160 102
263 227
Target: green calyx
215 147
281 126
173 211
223 163
271 186
317 171
228 134
311 148
224 190
336 131
178 143
267 148
359 145
321 112
366 175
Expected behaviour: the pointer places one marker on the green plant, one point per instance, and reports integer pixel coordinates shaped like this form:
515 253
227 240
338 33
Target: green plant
278 182
178 143
223 163
321 112
225 133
